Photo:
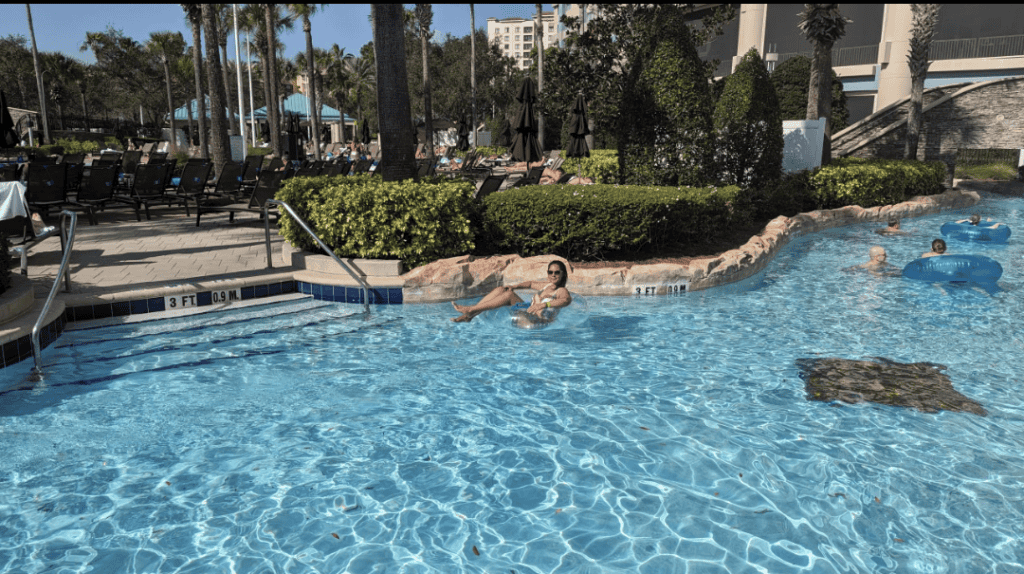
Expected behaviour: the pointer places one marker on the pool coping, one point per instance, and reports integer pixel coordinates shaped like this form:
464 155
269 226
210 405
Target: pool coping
444 280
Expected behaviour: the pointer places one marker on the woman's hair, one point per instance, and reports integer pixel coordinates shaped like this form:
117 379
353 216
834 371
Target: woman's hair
939 246
565 273
894 221
975 219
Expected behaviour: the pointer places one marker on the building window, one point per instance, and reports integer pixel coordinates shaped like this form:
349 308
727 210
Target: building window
506 28
527 38
527 29
506 46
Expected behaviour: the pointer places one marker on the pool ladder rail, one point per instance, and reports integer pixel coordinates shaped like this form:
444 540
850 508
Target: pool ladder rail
291 212
67 241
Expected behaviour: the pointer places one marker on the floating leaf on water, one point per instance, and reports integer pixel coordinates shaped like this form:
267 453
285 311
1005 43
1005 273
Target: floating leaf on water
741 475
762 511
834 494
878 500
334 534
557 510
644 428
716 494
898 539
167 482
349 508
475 551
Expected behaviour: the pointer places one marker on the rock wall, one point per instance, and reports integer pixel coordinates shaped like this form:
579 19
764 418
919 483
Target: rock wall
469 276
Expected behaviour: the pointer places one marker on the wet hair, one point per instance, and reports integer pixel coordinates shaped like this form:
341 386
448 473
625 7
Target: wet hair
939 246
565 273
894 221
975 219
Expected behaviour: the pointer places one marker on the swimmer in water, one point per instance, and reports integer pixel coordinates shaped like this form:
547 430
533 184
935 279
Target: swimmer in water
552 295
938 248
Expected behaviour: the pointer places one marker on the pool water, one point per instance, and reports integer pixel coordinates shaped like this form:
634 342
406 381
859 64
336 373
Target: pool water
667 434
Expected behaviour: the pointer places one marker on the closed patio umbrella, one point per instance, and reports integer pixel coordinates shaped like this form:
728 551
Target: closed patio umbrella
366 133
579 129
8 138
525 146
463 142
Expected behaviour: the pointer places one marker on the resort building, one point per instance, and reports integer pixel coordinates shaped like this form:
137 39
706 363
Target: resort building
972 43
515 37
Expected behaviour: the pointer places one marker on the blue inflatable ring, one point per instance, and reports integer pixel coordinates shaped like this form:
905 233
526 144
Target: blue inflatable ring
954 268
515 317
980 232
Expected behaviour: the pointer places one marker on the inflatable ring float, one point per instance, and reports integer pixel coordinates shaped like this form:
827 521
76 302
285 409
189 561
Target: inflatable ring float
980 232
516 317
954 268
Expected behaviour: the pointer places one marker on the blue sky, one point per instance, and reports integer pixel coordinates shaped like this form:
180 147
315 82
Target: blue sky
62 27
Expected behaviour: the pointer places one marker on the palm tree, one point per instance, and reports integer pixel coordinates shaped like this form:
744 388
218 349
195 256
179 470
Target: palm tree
539 34
270 18
39 76
425 17
183 71
304 11
218 99
393 111
923 23
362 77
222 17
63 71
823 25
166 44
195 19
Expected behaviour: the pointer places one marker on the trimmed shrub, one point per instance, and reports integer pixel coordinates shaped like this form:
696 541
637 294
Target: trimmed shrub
868 183
590 222
367 217
76 146
602 165
749 127
260 150
792 79
665 129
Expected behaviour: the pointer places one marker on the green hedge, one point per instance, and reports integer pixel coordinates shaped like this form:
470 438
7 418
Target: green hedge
589 222
867 183
363 216
602 165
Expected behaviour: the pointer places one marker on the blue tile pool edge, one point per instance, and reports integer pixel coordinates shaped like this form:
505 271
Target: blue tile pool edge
19 349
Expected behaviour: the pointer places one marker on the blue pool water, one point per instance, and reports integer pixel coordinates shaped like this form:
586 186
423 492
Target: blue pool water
665 435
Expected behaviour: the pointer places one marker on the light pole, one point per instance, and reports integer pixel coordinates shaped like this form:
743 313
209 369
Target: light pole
238 75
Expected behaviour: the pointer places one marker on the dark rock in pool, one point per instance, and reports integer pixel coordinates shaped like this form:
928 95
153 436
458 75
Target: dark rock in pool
921 386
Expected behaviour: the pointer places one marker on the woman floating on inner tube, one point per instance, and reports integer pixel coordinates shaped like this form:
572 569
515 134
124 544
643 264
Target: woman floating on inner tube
973 229
975 219
552 295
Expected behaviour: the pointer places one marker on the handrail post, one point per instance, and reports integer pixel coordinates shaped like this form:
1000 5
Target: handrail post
61 271
266 226
302 224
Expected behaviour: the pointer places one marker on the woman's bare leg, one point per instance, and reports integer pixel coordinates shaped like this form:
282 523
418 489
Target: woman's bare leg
499 297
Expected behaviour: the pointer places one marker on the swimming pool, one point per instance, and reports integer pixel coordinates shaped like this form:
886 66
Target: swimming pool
669 434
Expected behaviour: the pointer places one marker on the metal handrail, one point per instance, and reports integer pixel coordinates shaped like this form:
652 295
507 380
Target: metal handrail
270 261
67 240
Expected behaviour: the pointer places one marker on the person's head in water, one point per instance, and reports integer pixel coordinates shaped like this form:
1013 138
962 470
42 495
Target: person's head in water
975 219
894 223
557 273
877 253
939 246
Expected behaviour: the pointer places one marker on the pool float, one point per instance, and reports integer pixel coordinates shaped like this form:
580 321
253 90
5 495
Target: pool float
954 268
515 317
980 232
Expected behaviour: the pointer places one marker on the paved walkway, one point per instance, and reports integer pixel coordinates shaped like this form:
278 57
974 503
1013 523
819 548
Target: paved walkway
121 254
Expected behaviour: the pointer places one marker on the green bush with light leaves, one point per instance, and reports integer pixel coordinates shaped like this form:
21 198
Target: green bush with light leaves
363 216
585 223
869 183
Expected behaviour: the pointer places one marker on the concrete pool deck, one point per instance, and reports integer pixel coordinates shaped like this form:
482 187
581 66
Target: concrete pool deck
125 263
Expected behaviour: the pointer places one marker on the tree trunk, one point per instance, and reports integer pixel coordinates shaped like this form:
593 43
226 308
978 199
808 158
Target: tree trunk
267 96
219 130
472 66
170 107
398 160
197 65
308 29
270 15
39 78
235 130
428 110
819 95
914 117
539 30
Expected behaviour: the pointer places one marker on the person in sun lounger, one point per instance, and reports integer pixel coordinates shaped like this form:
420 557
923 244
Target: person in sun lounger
552 295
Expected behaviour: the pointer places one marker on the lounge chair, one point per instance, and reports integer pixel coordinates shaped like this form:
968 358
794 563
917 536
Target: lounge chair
192 184
110 156
566 177
309 171
21 235
490 184
266 187
9 172
229 181
45 186
149 186
362 167
157 157
251 170
531 178
96 191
